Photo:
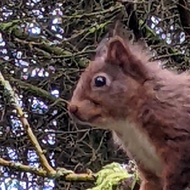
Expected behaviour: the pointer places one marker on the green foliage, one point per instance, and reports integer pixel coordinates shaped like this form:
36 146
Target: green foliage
111 175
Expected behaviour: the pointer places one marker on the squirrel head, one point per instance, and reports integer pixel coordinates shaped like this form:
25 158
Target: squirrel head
110 85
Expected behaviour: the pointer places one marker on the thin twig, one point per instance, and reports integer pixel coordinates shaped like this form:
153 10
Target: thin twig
25 124
60 172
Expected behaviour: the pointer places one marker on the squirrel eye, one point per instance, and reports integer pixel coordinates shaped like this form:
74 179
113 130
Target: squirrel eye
100 81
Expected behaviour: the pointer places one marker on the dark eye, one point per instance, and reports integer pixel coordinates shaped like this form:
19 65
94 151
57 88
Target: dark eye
100 81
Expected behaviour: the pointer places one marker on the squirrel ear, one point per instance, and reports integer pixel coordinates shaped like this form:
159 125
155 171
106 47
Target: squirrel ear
119 53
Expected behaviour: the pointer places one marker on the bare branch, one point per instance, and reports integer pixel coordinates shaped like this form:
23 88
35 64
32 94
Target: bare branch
25 124
68 175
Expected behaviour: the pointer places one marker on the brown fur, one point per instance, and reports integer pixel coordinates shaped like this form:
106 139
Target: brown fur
153 103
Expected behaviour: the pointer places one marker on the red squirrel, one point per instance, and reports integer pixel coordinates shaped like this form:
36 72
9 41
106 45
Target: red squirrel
146 107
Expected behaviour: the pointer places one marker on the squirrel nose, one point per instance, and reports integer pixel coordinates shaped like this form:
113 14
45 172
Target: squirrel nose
73 108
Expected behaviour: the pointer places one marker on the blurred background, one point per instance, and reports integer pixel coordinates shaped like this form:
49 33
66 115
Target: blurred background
44 47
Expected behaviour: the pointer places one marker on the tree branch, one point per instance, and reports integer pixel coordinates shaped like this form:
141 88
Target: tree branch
60 172
40 92
12 97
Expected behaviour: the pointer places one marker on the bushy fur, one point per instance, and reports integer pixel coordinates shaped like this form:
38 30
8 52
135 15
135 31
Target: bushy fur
148 109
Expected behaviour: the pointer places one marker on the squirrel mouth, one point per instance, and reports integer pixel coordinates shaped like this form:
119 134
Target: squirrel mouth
95 117
89 121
